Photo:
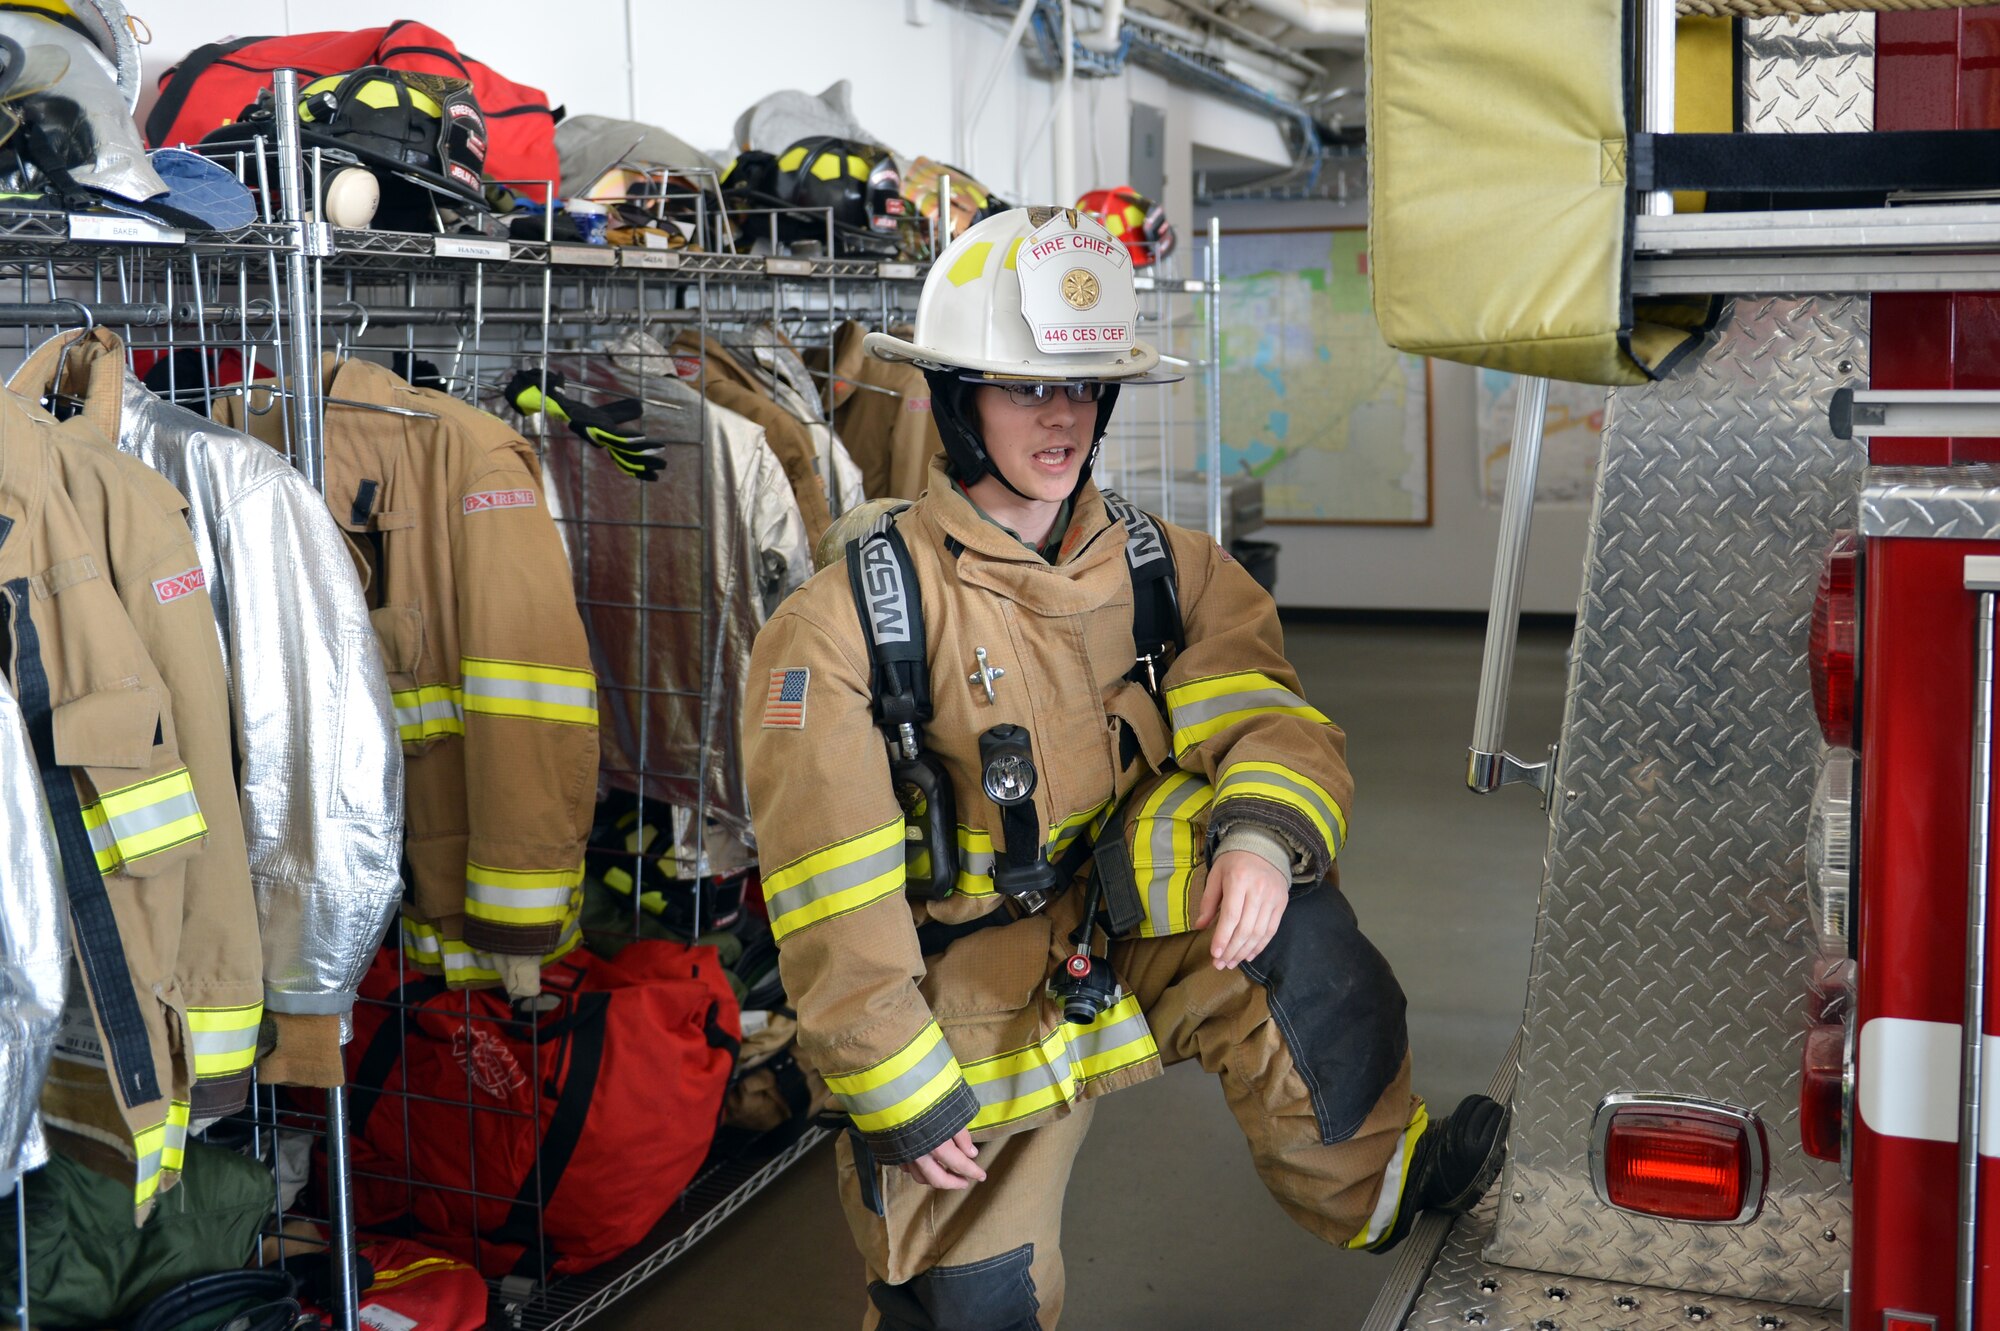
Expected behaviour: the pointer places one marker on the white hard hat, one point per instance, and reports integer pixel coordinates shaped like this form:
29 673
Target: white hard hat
1030 293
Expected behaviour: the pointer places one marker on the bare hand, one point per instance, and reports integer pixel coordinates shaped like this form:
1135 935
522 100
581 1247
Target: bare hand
1252 896
950 1166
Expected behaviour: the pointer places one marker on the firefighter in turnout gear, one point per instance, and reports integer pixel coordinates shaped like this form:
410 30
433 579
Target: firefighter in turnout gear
1042 808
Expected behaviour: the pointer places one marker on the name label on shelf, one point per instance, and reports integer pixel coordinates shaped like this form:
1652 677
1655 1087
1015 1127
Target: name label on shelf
777 267
462 247
649 258
123 230
593 256
894 272
1142 284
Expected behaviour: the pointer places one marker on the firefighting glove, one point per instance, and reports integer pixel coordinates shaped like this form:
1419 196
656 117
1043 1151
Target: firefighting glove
633 454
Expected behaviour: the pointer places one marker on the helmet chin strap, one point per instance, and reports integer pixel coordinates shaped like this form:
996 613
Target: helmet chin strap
964 449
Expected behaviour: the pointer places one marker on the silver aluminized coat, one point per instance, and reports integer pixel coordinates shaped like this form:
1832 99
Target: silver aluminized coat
320 765
33 948
756 553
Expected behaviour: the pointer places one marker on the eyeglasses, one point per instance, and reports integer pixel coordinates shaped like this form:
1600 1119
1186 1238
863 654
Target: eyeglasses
1034 395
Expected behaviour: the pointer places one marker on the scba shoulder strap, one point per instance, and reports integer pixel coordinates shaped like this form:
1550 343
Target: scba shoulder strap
884 582
1156 601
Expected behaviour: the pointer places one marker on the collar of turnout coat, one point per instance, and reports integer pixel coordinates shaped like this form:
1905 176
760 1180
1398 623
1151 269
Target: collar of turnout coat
960 519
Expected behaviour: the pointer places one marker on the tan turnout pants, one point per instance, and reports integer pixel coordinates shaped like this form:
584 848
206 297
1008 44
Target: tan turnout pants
989 1258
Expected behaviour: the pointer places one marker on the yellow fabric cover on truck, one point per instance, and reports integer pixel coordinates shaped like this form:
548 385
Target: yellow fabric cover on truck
1499 212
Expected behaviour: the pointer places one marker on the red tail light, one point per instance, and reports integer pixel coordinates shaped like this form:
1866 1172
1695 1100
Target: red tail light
1823 1092
1679 1159
1830 654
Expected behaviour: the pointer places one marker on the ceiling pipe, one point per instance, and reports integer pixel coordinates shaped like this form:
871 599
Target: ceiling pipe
1065 121
1318 18
1015 30
1105 38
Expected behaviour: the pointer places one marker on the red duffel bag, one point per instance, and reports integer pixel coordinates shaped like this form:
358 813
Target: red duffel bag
212 84
620 1082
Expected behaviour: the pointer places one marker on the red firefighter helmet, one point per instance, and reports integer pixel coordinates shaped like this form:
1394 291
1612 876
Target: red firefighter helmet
1135 220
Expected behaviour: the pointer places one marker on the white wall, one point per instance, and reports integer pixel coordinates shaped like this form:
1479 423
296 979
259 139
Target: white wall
696 64
1449 564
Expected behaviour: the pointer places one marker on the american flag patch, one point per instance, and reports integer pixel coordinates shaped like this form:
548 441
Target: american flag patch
486 499
785 704
184 584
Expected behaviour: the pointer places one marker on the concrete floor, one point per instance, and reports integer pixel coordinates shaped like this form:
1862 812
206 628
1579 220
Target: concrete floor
1166 1225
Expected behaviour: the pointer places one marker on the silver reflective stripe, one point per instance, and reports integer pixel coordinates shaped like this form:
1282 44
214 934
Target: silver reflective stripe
145 819
101 839
1089 1044
522 690
1190 714
1160 886
516 896
207 1044
440 709
1392 1194
1237 776
1041 1076
837 879
906 1084
975 871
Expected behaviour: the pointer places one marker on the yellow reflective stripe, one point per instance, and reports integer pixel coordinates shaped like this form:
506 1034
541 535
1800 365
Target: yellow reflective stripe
843 877
1026 1081
523 689
902 1087
158 1151
461 964
427 712
975 847
224 1038
1204 708
792 160
145 818
520 896
1274 781
102 844
1164 853
975 862
1395 1177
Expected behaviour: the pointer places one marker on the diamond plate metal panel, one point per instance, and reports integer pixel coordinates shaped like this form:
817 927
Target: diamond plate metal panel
1671 948
1943 503
1809 75
1466 1292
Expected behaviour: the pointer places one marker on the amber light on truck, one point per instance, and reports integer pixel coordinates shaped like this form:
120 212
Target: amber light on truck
1830 654
1679 1158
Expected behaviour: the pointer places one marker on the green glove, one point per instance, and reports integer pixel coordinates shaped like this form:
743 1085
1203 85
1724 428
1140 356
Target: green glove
633 454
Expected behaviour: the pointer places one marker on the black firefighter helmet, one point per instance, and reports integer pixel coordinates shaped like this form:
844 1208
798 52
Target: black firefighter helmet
857 182
424 129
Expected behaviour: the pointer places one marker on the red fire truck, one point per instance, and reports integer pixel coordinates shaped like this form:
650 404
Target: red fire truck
1758 1079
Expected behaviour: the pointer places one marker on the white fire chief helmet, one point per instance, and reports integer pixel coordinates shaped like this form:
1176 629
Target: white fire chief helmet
1030 293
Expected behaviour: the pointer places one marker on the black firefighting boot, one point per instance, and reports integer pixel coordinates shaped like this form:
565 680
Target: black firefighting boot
1454 1164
